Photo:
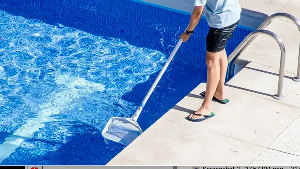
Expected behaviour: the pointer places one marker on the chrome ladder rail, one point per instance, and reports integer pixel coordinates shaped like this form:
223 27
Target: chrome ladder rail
245 43
296 21
290 17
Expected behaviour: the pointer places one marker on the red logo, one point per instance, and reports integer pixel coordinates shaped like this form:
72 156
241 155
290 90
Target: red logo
34 168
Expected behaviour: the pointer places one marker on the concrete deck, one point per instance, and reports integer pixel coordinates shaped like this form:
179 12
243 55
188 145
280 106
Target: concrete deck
253 128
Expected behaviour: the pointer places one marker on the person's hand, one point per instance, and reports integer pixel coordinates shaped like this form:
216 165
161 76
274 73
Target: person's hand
184 37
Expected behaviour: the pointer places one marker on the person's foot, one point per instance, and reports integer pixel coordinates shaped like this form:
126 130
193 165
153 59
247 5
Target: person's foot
217 97
200 113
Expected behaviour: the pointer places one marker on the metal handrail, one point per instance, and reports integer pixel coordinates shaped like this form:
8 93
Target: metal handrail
292 18
243 45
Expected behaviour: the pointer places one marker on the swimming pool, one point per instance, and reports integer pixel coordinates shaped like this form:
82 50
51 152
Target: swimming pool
69 66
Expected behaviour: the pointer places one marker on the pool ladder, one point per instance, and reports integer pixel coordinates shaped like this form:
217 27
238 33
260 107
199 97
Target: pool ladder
260 30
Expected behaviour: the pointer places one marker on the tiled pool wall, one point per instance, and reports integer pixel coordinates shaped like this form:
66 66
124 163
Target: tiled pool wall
249 19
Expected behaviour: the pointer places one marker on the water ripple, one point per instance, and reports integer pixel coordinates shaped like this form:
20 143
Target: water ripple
55 73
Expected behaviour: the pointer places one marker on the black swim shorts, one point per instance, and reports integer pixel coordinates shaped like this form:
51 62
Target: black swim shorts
217 37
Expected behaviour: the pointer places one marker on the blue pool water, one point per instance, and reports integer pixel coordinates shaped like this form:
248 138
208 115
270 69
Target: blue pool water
67 67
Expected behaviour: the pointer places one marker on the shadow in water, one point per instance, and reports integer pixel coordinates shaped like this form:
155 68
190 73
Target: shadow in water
177 82
88 141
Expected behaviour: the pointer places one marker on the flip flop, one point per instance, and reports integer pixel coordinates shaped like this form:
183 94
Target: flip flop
198 120
215 99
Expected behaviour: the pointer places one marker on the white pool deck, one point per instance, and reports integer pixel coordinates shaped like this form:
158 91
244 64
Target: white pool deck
253 128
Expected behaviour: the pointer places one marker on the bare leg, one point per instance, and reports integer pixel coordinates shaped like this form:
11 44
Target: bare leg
219 94
213 78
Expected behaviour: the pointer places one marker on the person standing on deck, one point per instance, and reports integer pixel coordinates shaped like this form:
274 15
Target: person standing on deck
222 17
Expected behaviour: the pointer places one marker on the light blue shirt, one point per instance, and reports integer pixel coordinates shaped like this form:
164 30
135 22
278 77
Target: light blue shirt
220 13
